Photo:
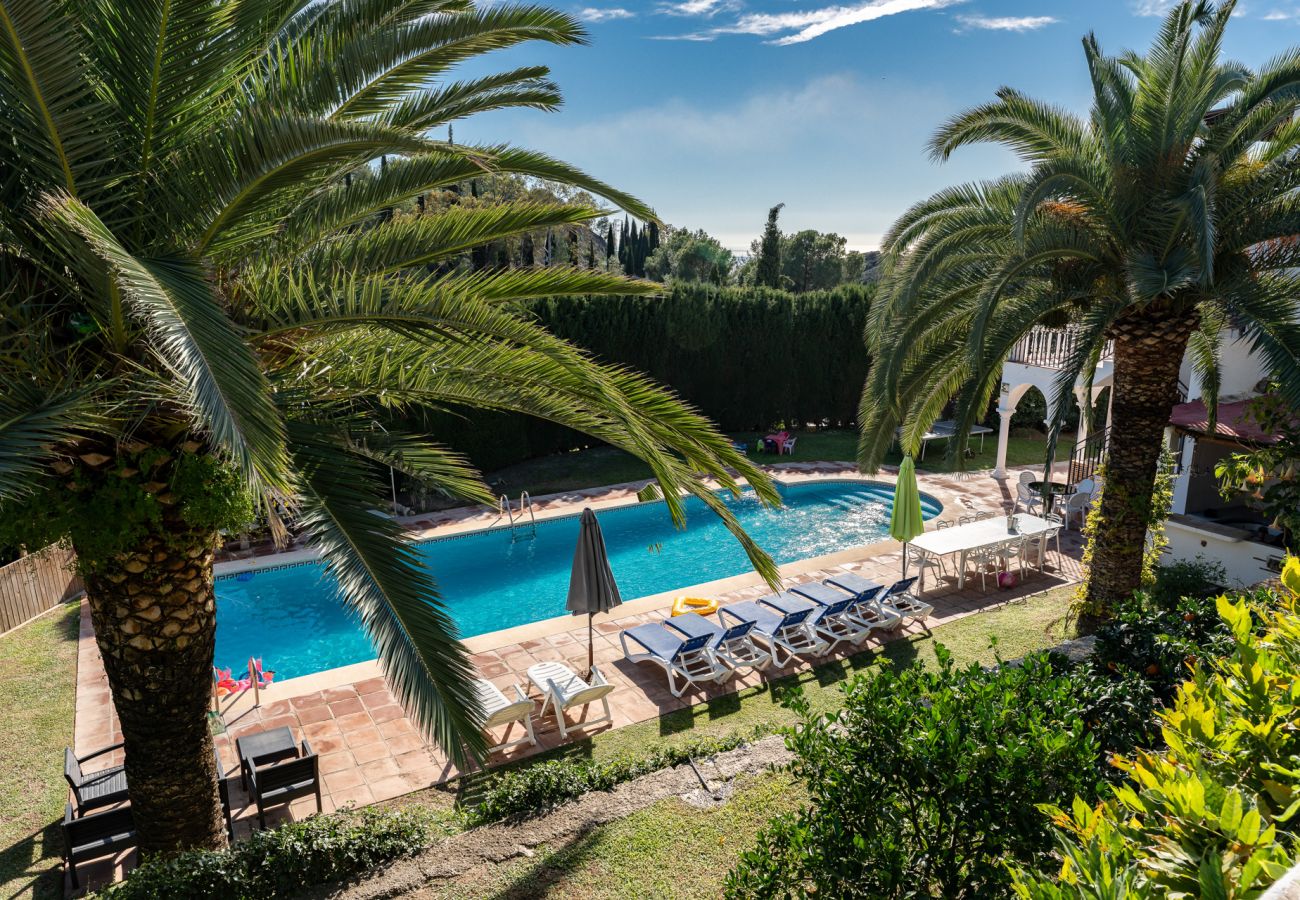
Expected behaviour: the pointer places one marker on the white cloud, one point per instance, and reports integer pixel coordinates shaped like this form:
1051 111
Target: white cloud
1007 23
706 8
595 14
1281 15
804 25
1152 7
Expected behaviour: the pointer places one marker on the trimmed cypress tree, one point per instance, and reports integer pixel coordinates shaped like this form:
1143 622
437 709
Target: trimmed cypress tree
609 240
767 268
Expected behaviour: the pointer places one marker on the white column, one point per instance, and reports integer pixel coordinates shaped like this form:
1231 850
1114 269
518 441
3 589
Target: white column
1004 435
1079 398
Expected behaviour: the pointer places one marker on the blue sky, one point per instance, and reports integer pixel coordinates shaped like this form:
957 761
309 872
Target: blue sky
714 110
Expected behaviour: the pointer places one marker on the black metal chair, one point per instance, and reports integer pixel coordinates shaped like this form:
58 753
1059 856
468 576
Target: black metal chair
285 781
91 791
95 835
223 787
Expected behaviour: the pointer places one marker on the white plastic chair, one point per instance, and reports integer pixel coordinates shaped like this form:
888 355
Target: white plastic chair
787 448
1077 505
919 558
983 516
499 710
562 688
1027 478
983 557
1028 498
1015 550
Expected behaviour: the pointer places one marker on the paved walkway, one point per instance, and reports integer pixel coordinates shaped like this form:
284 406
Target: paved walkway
370 751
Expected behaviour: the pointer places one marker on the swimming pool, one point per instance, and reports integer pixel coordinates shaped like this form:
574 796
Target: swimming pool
291 616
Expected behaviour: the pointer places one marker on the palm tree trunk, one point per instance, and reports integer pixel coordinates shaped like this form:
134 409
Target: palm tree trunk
154 612
1149 351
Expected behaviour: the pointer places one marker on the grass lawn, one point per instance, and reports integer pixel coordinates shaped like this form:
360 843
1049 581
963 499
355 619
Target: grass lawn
605 465
38 668
669 849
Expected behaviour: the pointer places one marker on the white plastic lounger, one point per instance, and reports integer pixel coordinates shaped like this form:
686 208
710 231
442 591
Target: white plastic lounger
867 611
498 710
901 598
683 658
734 646
871 606
833 620
560 686
787 631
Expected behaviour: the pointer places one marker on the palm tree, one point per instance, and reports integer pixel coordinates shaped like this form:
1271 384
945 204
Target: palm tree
1164 218
210 307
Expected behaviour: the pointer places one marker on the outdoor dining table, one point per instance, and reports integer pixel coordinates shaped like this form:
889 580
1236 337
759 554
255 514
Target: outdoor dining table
962 539
1050 490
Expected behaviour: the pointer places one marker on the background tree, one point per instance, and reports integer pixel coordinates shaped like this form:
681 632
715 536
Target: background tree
689 256
812 260
206 314
767 253
1167 214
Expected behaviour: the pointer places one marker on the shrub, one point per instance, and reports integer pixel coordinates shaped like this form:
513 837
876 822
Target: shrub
1214 815
1162 637
925 784
282 861
517 794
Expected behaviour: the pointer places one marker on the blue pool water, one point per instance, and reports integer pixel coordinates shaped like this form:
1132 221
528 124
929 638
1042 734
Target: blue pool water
292 618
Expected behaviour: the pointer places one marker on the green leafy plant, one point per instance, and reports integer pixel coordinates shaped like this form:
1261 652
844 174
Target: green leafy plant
925 784
283 861
1215 814
1269 475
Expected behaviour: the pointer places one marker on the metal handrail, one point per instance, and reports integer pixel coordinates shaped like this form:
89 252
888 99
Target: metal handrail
525 503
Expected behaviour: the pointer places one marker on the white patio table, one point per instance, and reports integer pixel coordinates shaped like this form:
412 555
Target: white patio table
964 538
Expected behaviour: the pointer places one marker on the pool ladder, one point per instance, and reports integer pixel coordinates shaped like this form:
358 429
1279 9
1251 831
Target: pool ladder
517 521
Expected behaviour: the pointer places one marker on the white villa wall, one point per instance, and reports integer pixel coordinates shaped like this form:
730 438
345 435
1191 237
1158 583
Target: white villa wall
1245 562
1240 370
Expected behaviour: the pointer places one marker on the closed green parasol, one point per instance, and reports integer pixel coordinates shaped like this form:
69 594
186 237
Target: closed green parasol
905 520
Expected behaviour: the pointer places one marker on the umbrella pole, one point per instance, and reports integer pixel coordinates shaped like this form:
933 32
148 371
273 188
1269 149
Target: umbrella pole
591 650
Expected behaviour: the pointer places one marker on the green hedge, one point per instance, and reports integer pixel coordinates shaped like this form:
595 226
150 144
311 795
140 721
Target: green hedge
283 861
749 358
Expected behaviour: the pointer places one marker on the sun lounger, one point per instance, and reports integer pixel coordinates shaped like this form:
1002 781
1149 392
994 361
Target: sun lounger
867 611
834 620
561 687
684 659
734 646
787 631
871 604
901 598
498 710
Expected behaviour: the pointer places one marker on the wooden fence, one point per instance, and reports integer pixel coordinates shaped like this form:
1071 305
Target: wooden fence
35 583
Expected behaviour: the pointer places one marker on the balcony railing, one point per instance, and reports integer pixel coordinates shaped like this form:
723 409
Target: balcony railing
1050 348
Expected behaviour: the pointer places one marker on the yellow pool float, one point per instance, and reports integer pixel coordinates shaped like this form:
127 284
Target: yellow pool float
702 605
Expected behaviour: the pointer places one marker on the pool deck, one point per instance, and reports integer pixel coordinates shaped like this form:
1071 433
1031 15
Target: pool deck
370 751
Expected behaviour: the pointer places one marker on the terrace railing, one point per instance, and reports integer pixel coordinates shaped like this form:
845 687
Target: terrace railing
1050 348
1088 455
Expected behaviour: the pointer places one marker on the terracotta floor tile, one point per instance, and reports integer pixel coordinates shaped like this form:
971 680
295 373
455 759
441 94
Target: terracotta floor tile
353 721
395 728
369 686
338 761
334 695
357 796
382 714
314 714
307 701
343 780
344 708
388 788
319 731
377 699
378 769
362 736
371 752
327 745
404 743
